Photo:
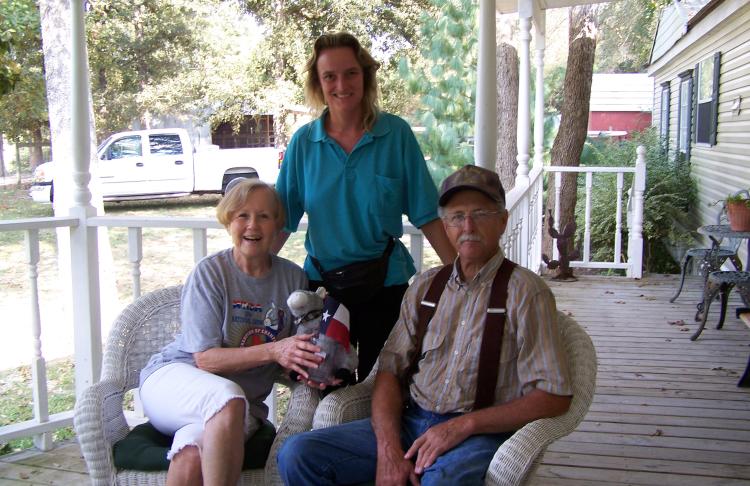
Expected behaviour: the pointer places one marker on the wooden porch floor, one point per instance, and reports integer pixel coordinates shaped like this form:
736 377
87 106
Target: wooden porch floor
667 411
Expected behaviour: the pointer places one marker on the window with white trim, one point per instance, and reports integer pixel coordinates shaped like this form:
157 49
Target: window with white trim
664 117
707 99
684 114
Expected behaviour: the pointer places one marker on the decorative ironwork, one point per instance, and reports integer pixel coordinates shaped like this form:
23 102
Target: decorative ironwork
564 270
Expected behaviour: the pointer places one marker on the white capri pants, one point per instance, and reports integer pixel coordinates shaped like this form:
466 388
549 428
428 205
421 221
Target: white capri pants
179 399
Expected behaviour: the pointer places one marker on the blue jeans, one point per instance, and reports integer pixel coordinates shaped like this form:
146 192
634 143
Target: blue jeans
347 453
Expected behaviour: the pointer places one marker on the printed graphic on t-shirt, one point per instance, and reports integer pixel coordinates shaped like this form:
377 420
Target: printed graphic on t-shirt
253 323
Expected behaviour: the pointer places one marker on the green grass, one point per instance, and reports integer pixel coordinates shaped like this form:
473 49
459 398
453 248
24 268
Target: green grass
15 204
16 399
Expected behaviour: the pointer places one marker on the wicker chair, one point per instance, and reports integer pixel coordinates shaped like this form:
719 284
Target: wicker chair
140 330
519 456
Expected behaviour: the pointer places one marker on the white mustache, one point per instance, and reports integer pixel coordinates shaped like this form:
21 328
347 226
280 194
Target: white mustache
468 237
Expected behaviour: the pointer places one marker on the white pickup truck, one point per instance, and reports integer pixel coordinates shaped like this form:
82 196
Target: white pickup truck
160 163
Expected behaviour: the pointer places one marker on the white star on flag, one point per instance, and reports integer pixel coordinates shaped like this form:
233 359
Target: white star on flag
326 316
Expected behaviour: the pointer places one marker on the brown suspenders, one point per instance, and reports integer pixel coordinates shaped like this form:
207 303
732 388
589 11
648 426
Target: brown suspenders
492 338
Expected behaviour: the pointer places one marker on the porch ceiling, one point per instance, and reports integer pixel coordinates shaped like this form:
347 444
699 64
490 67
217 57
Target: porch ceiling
511 6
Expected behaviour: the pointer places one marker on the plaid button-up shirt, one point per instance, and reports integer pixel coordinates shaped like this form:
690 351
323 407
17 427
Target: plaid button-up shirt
532 354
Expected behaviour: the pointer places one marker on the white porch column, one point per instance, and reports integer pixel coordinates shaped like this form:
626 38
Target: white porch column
485 114
539 44
525 12
635 243
83 248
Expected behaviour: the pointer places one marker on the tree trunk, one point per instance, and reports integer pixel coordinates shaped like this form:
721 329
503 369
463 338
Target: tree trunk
574 115
507 114
282 118
2 157
35 156
18 166
56 18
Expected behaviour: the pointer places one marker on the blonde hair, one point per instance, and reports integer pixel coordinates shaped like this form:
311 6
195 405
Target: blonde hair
238 195
314 92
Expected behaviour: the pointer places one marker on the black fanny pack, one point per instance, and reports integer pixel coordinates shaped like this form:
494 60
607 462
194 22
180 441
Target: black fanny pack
357 282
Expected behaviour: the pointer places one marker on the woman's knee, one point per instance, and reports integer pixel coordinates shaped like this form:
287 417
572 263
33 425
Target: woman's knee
185 466
231 414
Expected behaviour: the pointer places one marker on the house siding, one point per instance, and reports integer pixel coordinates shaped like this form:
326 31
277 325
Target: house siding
671 24
725 167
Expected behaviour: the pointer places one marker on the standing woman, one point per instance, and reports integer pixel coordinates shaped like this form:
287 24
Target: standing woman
207 387
355 171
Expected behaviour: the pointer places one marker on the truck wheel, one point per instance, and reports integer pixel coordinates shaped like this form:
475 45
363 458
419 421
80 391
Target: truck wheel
230 177
52 192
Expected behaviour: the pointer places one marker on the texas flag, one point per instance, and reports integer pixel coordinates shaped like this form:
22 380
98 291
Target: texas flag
335 321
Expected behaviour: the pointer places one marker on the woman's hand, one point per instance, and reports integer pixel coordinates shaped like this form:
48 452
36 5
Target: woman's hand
319 386
297 353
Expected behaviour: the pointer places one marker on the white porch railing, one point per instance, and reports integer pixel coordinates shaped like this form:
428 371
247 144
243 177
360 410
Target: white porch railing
633 265
522 243
43 424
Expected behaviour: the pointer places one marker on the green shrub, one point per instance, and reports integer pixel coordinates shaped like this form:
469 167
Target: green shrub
669 197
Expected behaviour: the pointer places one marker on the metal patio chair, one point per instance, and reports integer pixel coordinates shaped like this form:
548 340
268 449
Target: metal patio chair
710 259
720 284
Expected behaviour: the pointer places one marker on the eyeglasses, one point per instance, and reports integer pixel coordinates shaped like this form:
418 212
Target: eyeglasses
457 220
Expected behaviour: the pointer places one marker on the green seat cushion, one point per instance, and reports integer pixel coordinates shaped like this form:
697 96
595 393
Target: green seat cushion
145 448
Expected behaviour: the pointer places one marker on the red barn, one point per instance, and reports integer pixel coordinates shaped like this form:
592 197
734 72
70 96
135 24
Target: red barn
620 104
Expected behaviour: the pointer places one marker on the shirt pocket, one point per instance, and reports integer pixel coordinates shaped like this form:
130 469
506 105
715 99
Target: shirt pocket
432 344
388 202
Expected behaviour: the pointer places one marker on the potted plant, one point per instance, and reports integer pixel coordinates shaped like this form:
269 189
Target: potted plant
738 210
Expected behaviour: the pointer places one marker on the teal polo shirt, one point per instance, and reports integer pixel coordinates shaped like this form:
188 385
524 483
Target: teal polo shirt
355 202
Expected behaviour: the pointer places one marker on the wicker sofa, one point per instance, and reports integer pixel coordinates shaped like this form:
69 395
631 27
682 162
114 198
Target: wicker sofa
519 456
141 329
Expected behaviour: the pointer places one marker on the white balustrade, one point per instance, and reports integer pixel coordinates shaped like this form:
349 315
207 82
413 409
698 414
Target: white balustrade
42 441
43 424
634 262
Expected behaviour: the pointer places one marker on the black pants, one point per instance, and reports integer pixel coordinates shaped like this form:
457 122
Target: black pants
371 323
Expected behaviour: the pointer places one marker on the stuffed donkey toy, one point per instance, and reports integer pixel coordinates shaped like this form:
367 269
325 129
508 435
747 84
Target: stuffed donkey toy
321 315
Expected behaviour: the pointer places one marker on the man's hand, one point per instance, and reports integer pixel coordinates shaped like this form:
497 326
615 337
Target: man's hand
394 469
435 441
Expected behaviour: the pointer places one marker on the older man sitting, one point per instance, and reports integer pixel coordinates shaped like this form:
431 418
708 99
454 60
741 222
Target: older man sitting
475 355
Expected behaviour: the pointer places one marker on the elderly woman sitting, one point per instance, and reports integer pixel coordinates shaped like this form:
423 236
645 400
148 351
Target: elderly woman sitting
207 387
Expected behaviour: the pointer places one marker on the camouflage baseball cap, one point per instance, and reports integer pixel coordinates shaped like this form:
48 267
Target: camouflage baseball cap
472 177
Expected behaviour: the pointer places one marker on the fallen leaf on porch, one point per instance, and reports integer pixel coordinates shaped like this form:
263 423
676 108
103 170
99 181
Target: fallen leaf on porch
620 302
658 433
608 292
568 313
639 375
678 322
640 295
668 340
684 329
23 475
650 297
721 368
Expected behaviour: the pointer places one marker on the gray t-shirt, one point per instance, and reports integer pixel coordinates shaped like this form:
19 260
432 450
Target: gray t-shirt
221 306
